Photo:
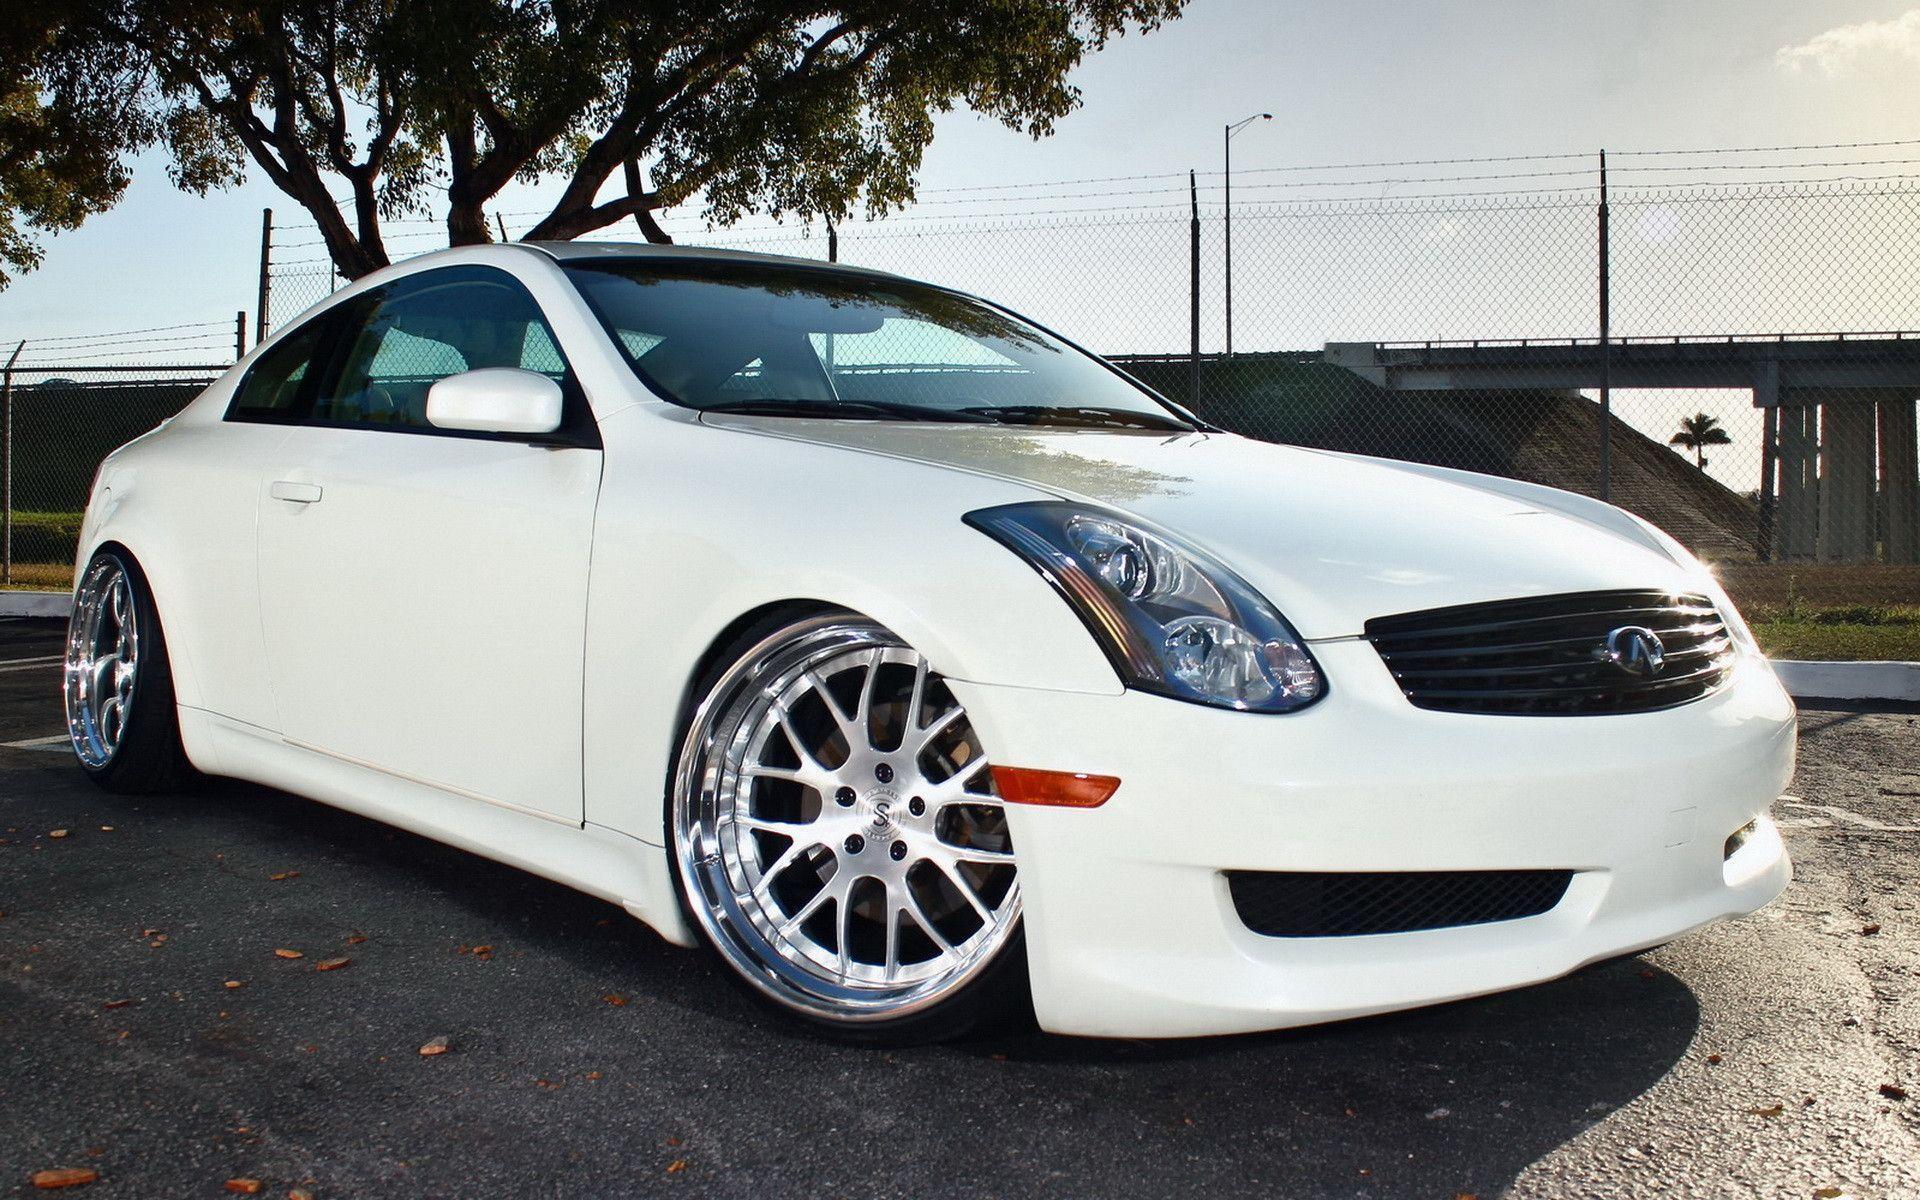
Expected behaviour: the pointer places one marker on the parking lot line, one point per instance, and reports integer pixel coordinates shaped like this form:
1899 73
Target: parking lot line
41 743
29 664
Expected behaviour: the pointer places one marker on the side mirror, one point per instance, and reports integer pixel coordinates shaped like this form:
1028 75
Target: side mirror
495 400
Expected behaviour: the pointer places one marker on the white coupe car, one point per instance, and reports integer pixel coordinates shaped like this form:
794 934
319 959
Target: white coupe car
915 660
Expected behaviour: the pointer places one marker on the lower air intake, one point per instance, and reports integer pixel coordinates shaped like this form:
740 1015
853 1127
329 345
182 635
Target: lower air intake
1345 904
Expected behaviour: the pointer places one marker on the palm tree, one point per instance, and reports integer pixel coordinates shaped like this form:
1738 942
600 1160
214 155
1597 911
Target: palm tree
1697 432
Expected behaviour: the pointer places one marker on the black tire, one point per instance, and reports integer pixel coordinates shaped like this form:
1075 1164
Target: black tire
996 999
148 757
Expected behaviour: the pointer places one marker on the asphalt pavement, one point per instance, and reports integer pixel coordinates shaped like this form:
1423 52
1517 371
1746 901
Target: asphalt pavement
153 1031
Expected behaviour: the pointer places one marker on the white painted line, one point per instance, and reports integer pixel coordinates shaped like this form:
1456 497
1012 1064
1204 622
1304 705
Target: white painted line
45 743
30 664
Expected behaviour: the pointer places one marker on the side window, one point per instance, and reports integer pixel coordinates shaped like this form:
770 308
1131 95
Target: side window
423 329
274 389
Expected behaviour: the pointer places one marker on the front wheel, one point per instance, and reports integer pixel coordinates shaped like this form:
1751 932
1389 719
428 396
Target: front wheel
119 684
837 839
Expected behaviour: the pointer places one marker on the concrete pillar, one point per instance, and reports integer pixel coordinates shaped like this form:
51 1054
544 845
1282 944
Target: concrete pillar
1848 496
1899 480
1795 512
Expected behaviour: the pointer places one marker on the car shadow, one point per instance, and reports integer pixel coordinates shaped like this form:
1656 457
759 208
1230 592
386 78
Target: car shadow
1454 1099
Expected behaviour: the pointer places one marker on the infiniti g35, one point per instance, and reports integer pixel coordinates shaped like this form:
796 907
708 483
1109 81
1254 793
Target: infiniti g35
916 661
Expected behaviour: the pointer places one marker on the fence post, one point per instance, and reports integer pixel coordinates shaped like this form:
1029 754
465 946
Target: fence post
260 318
833 242
6 467
239 335
1193 291
1606 344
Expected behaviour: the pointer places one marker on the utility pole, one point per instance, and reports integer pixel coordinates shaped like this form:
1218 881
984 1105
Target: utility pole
266 275
1606 344
239 335
1193 282
833 242
1226 145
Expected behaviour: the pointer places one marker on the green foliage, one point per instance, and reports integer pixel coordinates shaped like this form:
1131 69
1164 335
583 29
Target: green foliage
758 106
1697 432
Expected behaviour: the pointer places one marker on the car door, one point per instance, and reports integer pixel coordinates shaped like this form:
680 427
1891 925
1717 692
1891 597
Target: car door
423 592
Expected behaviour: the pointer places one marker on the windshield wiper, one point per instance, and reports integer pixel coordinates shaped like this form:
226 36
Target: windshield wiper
1079 417
877 409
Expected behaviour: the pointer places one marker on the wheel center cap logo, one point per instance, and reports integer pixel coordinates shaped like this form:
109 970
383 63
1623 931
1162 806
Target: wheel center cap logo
879 809
1636 650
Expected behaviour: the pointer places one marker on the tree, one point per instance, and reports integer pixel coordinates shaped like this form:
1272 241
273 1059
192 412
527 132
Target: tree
783 107
1697 432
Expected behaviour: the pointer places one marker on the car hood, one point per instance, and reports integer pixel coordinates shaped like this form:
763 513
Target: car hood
1332 539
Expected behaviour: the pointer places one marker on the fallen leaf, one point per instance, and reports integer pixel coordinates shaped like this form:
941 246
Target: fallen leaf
676 1166
57 833
64 1177
283 953
1828 1193
106 829
244 1187
149 933
1870 930
1714 1060
277 876
545 1083
1893 1091
435 1046
234 983
615 999
1466 1196
356 939
593 1076
119 1003
331 964
673 1141
1772 1110
1646 972
299 1194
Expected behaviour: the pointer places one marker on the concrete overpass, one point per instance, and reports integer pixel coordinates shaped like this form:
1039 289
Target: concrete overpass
1840 477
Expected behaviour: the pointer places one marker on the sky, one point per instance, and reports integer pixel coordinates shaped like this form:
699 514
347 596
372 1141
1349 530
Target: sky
1348 80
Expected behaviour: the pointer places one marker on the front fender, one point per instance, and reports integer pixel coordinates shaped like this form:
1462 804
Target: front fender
778 521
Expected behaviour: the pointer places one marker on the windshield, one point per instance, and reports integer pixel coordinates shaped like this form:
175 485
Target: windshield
749 337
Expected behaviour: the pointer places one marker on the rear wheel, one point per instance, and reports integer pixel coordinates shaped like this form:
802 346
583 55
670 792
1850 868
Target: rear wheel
119 684
837 839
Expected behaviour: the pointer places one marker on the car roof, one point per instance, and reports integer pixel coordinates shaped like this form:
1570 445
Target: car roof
584 251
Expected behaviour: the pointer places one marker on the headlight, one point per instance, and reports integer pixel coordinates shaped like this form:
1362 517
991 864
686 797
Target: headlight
1173 619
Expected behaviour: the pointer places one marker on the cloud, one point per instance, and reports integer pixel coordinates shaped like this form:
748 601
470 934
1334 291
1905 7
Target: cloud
1845 45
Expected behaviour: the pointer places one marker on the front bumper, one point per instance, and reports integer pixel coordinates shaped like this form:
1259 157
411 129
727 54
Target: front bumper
1131 931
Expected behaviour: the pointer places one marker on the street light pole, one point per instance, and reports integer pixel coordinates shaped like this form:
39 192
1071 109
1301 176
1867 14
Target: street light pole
1226 146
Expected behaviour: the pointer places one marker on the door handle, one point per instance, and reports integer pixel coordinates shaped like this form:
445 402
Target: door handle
294 493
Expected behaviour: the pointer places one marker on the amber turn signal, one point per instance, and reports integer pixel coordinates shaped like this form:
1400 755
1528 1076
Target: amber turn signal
1060 789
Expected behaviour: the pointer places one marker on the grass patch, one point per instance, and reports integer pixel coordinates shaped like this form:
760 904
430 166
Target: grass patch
42 577
1838 641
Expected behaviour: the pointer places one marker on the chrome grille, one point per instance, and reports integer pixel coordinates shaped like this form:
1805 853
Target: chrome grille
1549 655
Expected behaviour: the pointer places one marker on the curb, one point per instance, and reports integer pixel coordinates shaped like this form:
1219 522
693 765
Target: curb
1849 680
1803 680
36 604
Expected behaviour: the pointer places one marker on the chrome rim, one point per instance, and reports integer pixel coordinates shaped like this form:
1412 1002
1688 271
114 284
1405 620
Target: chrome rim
103 662
836 828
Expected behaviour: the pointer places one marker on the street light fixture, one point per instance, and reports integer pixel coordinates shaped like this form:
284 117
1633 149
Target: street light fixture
1226 144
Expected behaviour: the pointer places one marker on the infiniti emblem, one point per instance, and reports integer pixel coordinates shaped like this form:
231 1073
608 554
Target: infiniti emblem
1635 650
